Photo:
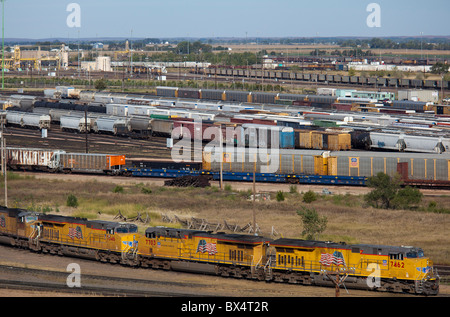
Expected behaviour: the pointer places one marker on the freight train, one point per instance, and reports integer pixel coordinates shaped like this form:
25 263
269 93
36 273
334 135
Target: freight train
366 266
28 120
239 164
307 130
330 79
317 101
333 167
60 161
146 118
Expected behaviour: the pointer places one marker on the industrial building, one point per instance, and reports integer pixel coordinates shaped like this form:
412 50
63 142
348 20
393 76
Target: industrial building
37 59
419 95
101 63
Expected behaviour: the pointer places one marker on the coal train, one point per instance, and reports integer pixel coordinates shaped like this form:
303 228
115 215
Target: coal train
362 81
365 266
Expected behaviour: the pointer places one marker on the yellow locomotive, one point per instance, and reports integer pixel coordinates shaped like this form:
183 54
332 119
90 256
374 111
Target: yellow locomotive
15 226
95 239
223 254
101 240
374 267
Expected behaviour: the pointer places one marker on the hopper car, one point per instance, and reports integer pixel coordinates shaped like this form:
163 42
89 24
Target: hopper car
60 161
28 120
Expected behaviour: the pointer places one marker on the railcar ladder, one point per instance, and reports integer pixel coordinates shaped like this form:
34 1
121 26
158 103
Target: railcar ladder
419 286
35 235
268 268
130 253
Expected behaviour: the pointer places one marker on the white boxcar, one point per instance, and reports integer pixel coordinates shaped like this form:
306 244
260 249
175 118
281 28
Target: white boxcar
203 116
139 110
115 109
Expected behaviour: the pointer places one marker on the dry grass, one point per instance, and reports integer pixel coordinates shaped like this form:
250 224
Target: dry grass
348 220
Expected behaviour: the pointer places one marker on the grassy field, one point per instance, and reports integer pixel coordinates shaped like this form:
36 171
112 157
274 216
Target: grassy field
348 219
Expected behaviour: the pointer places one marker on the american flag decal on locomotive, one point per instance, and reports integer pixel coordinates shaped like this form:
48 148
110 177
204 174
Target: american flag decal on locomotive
76 233
208 247
328 259
2 222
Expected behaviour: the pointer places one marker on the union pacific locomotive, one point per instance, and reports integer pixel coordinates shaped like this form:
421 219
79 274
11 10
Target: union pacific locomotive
374 267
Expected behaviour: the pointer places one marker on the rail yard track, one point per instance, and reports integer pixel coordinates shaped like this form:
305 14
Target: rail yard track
39 280
444 273
76 142
46 274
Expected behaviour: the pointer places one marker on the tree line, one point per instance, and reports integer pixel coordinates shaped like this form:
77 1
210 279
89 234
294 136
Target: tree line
374 43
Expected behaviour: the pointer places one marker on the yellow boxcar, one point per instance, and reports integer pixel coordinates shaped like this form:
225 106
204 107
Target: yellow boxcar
386 268
339 141
304 139
317 140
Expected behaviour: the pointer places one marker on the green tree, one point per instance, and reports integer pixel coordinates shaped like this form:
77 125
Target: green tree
387 193
313 224
72 201
351 72
384 190
309 197
406 197
442 70
100 84
280 195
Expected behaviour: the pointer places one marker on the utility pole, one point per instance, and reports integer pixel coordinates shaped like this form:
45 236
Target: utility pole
3 44
3 154
254 197
86 127
221 157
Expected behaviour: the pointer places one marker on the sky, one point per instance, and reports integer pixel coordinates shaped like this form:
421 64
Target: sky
231 18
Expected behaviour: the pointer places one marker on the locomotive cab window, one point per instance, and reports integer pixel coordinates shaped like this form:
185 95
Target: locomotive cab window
126 229
415 253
